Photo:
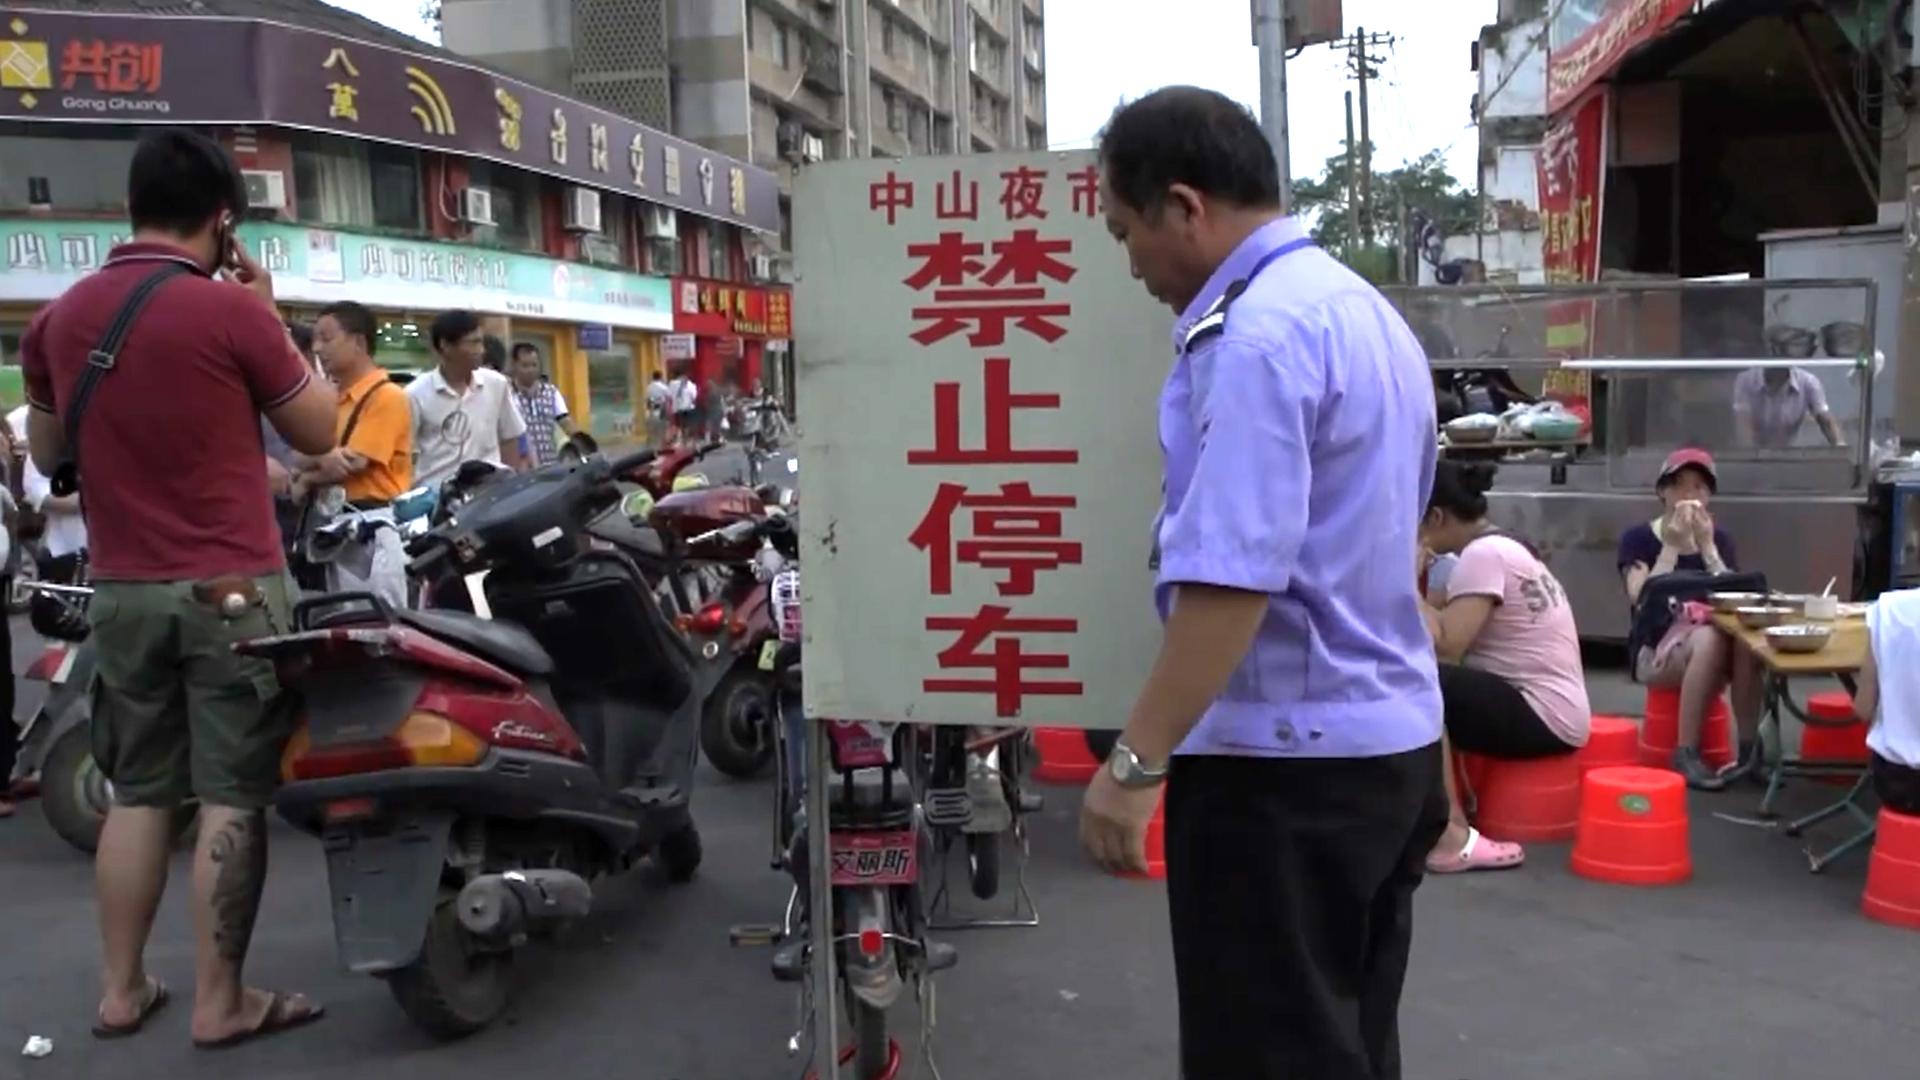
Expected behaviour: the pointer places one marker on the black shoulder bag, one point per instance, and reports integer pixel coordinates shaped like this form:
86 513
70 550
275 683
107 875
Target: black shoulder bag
66 475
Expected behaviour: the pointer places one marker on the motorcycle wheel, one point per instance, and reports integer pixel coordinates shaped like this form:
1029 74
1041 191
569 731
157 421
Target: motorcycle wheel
736 724
872 1049
75 795
983 864
679 853
451 990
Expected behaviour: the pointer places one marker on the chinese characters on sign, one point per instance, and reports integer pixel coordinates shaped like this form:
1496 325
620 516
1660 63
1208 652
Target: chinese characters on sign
973 330
111 67
982 282
344 94
1572 178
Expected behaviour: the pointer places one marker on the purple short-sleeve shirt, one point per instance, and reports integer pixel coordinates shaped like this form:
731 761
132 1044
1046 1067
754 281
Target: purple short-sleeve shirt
1299 452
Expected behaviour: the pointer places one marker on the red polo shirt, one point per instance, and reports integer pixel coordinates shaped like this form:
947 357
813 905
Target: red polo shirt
173 471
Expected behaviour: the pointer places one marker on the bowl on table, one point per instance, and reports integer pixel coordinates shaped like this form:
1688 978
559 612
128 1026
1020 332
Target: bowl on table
1799 637
1761 617
1821 608
1729 602
1478 428
1554 428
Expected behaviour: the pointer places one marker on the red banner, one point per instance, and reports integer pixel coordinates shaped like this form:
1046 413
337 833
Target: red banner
1588 37
1572 177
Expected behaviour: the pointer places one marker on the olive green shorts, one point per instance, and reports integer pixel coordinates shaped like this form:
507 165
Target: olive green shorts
175 711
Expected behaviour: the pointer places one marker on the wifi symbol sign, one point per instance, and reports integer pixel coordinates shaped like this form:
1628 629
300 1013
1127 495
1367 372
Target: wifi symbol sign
434 111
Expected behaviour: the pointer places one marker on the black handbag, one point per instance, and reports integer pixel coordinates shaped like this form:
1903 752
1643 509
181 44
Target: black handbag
1662 596
61 616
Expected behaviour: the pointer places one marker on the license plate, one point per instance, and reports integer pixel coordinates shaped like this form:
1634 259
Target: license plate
767 653
888 858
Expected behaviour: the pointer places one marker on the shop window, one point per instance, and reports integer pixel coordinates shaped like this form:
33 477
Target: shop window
663 258
356 185
516 205
719 264
80 173
610 396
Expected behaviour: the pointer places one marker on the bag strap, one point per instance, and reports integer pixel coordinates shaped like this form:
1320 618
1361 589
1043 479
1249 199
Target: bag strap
104 357
346 433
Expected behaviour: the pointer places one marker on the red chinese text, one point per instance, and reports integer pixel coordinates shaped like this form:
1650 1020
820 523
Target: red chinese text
957 199
891 195
1022 192
980 297
1086 191
1001 402
990 641
114 67
1015 532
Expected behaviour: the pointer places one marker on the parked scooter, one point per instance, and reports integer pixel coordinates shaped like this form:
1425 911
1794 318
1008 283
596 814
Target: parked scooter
470 771
56 746
878 915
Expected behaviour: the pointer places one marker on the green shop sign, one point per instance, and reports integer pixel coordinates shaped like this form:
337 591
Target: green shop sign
319 266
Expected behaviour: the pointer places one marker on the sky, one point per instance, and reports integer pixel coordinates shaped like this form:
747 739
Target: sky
1101 51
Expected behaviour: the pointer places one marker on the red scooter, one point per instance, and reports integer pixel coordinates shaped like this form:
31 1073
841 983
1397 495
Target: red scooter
470 771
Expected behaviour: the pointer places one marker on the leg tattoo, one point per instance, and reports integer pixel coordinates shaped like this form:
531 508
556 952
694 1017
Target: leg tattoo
239 854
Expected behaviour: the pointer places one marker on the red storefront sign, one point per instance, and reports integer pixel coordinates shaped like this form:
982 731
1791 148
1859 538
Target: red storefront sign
1588 37
718 309
1572 177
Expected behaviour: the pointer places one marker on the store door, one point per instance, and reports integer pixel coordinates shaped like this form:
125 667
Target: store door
611 393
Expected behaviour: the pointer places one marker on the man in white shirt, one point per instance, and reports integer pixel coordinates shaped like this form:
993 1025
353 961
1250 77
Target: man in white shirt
659 408
686 407
461 410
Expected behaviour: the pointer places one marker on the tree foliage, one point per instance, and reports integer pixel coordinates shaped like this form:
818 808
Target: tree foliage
430 13
1421 184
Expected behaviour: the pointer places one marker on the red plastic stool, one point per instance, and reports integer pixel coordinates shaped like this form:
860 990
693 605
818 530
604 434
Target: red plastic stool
1633 827
1611 740
1525 801
1156 844
1660 731
1893 875
1064 756
1845 744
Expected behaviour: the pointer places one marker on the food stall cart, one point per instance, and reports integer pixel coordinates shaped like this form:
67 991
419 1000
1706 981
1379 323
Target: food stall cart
1653 367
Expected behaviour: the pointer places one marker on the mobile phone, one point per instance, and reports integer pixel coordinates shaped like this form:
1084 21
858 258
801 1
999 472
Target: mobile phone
225 238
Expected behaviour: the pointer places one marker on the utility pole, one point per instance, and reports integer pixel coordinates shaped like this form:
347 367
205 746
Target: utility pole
1270 36
1361 59
1353 204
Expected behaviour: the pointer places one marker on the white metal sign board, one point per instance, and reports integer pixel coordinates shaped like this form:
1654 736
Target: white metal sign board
978 378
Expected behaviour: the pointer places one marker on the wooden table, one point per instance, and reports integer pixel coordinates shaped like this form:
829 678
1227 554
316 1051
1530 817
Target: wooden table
1845 654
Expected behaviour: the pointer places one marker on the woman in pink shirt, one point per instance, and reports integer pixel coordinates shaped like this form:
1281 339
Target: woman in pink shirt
1510 674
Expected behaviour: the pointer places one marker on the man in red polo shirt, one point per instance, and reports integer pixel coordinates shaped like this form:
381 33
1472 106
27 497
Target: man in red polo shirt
186 561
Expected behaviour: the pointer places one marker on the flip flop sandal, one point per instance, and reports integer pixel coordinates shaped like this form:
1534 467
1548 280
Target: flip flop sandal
1479 853
157 998
279 1017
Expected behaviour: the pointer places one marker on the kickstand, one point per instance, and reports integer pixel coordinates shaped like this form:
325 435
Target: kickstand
923 992
1023 913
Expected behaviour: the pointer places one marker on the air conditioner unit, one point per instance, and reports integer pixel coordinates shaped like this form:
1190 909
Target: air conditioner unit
476 206
762 267
659 223
813 148
583 210
266 189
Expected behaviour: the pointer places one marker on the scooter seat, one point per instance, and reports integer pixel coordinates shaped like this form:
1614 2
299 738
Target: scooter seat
878 798
504 643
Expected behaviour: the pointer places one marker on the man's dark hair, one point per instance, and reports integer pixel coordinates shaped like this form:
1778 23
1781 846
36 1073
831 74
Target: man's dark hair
354 319
181 179
302 335
450 326
521 348
1186 135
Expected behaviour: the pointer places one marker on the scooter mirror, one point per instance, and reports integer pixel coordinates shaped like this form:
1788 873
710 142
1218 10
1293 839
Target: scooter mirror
793 465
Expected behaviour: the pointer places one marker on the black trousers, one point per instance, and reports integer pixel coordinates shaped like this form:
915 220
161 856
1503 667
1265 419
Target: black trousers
1897 786
1290 883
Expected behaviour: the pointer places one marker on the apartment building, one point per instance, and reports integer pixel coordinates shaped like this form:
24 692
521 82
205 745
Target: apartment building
782 82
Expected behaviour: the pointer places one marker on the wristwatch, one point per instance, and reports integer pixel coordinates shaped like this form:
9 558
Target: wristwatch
1130 772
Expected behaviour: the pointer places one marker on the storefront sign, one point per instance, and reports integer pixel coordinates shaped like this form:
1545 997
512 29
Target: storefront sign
1572 179
161 69
1586 38
716 309
43 257
992 365
674 347
595 337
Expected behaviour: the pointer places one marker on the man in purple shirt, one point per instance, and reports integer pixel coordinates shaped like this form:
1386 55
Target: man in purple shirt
1294 709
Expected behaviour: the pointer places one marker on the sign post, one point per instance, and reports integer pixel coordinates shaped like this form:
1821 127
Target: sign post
978 378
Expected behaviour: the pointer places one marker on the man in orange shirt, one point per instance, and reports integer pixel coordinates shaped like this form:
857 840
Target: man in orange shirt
374 460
